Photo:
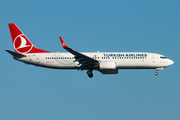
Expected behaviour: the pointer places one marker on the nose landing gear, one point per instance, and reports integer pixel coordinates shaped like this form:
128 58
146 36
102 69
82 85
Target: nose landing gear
156 73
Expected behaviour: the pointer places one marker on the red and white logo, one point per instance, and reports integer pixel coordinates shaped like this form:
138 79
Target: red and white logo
22 44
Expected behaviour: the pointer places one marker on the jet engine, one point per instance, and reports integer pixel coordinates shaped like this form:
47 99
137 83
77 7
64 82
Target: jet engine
108 68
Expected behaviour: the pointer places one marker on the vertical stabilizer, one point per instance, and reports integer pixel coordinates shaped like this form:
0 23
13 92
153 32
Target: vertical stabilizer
20 41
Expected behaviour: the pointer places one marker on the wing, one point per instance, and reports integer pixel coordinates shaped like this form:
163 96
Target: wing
84 61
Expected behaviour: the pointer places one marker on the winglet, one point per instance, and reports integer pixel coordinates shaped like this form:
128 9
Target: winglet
63 43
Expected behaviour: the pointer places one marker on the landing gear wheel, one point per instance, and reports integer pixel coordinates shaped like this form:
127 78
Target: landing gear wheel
90 74
156 73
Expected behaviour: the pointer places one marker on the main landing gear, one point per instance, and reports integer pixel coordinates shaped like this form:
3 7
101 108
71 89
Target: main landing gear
90 74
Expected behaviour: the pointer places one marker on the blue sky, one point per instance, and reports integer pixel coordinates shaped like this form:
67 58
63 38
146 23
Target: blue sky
29 92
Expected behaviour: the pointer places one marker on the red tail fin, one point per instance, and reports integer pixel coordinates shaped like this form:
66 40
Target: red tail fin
21 42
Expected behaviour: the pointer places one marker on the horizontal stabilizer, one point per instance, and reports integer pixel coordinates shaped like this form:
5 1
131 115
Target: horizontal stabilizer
15 54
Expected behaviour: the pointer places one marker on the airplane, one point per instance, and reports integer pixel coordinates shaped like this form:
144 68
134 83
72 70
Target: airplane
104 62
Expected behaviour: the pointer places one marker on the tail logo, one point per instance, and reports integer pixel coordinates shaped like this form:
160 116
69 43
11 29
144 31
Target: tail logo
22 44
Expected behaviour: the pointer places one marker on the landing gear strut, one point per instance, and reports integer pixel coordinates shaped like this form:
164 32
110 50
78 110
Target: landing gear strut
156 73
90 74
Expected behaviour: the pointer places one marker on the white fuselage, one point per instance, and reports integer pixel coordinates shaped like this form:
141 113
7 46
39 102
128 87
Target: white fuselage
123 60
104 62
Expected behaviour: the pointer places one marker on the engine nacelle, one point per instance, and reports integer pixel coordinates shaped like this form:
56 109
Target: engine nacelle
108 68
109 71
107 65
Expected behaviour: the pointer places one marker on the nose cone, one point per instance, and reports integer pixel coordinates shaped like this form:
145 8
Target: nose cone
170 62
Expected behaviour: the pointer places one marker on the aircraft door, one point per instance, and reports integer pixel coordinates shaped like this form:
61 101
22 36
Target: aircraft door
153 58
38 59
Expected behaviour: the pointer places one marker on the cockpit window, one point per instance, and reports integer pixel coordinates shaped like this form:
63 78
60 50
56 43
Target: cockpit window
162 57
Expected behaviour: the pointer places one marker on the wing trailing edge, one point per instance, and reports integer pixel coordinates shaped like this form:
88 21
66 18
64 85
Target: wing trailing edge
84 60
